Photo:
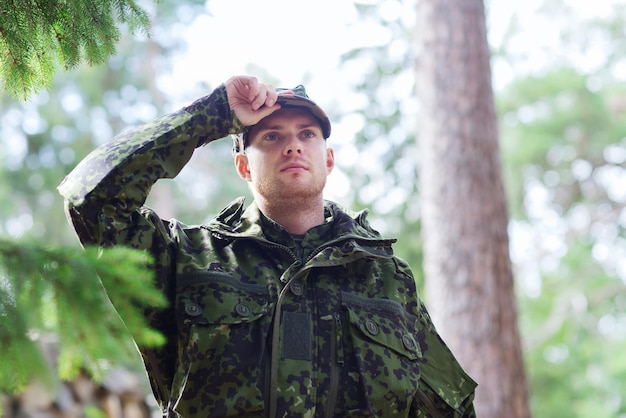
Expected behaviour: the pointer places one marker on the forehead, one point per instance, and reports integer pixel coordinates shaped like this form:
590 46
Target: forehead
286 118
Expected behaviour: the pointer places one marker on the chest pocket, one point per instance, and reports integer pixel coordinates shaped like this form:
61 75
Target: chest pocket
219 298
224 323
386 356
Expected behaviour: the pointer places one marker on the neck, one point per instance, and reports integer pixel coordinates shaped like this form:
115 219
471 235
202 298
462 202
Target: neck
297 217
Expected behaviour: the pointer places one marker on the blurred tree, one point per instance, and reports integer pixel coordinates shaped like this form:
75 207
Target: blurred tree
469 278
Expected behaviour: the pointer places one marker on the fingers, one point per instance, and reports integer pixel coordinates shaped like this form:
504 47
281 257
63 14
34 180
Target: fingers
262 95
243 90
250 100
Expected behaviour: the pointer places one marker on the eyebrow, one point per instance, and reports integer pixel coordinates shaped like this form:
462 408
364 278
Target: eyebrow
280 126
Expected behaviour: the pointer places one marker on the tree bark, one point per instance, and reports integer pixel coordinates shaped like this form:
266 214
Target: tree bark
469 280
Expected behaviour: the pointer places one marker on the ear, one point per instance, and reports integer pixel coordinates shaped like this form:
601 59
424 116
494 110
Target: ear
241 164
330 160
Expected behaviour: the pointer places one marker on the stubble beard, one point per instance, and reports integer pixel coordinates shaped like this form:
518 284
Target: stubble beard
290 195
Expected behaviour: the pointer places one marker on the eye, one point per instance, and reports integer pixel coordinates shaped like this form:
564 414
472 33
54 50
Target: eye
271 137
308 134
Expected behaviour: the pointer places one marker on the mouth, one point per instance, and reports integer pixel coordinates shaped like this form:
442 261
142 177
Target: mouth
294 168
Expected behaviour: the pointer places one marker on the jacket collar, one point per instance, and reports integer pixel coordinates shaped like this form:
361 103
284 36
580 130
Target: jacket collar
236 221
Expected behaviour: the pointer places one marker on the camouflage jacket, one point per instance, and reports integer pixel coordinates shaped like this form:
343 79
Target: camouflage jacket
260 327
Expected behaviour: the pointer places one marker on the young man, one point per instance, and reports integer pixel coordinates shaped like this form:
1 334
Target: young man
291 307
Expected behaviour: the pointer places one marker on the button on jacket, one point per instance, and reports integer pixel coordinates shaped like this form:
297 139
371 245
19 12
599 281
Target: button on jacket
259 326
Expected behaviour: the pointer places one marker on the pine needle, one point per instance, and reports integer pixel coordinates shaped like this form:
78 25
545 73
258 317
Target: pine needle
60 291
36 35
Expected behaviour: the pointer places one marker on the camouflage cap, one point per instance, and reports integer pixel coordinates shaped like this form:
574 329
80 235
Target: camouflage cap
299 100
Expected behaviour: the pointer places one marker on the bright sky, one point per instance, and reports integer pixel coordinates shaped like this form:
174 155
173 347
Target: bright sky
287 38
301 40
537 44
296 41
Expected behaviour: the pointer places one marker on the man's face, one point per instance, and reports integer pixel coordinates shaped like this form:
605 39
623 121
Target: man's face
286 157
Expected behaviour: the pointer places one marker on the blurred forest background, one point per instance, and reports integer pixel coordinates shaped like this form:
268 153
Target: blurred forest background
563 142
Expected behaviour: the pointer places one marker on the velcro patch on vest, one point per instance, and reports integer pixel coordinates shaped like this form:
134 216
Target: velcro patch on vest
296 336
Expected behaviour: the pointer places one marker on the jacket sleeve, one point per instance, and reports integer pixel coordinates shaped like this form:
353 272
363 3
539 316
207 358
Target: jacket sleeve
105 193
105 190
444 386
445 389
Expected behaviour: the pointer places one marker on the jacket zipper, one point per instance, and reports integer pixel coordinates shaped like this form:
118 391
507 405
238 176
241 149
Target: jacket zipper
430 405
271 394
336 364
268 381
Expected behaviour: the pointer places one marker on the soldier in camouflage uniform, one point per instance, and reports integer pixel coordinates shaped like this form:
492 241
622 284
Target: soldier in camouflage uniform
291 307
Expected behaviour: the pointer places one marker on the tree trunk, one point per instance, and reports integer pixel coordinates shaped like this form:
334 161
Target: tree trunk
469 279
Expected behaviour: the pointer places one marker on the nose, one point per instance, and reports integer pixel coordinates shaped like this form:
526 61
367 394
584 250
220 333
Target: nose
293 146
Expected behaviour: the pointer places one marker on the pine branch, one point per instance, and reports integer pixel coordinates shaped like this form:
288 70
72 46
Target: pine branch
60 290
37 34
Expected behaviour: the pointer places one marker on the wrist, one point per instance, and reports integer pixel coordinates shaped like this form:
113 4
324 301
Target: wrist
212 118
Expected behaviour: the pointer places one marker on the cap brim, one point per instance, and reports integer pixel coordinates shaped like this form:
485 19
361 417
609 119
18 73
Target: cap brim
287 101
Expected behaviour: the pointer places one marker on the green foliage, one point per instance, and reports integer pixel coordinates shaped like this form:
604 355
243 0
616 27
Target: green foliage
384 179
60 290
575 342
36 34
555 111
563 144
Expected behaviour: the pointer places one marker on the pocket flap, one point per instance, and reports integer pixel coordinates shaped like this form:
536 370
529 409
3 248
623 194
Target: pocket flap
384 322
205 297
